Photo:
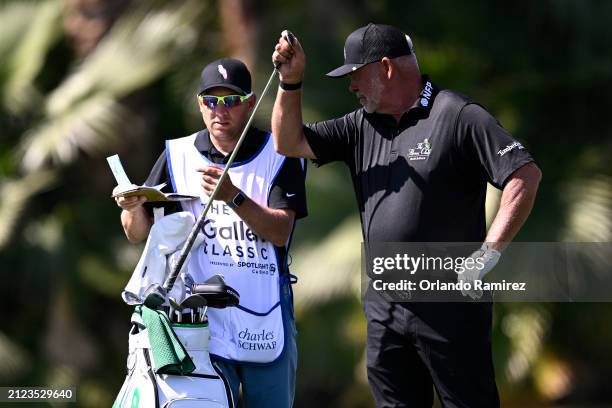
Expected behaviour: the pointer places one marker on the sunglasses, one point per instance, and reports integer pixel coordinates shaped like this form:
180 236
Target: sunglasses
229 101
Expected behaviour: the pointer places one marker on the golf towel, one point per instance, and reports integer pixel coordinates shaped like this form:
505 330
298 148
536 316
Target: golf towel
169 355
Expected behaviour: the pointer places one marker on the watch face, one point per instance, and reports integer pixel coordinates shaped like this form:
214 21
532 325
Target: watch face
238 199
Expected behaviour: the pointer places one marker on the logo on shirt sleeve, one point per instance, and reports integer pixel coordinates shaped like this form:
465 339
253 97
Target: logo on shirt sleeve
510 147
421 151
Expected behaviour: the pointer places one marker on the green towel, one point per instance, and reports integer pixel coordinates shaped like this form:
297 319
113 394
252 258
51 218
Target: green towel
169 355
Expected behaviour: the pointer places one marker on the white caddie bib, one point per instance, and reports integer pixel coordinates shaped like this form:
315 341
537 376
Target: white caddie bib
253 331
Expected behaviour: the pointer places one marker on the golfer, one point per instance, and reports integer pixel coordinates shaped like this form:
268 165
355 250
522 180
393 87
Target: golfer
420 158
247 233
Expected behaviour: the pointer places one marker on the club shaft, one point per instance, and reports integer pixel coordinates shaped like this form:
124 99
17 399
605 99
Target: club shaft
169 283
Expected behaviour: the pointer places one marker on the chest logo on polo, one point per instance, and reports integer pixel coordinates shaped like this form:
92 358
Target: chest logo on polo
421 151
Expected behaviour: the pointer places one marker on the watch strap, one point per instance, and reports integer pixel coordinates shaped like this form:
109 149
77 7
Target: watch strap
290 87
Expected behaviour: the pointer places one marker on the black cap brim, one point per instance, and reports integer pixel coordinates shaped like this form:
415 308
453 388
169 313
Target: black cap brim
223 85
344 70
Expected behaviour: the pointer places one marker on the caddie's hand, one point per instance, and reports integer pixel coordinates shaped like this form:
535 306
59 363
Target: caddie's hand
292 60
210 179
130 203
477 265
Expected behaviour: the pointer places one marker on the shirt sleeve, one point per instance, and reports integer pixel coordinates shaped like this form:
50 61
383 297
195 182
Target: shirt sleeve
159 174
332 140
486 144
288 189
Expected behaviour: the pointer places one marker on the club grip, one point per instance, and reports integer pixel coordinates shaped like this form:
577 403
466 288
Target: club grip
288 35
290 38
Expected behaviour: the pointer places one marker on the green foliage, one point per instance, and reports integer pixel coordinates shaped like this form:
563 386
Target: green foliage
543 68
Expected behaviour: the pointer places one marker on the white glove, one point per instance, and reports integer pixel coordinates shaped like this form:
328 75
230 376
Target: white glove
484 259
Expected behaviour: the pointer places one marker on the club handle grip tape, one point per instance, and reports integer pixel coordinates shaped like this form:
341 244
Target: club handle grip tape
288 35
290 38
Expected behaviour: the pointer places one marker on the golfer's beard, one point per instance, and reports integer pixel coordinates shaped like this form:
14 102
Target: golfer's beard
369 106
371 103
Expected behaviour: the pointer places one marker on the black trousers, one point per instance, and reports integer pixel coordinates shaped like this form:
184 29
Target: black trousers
413 348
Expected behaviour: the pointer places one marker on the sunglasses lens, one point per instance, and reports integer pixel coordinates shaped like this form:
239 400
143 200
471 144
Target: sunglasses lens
231 100
228 101
210 101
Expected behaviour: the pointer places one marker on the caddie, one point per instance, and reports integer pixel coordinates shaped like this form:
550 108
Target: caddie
247 233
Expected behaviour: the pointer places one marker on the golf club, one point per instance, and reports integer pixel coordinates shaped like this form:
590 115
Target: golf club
169 283
174 307
193 302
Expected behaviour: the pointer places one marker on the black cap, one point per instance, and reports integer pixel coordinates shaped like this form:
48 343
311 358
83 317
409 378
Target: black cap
226 73
369 44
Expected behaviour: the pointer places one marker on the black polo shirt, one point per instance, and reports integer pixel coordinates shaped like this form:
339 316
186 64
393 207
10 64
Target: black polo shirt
288 189
422 179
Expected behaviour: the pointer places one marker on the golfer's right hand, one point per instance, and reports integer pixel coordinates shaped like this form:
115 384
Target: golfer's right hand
130 203
292 60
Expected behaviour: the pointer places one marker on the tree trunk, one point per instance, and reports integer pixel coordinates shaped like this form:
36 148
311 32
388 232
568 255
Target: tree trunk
240 29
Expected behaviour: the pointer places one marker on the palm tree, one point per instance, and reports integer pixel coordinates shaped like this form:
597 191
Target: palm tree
50 124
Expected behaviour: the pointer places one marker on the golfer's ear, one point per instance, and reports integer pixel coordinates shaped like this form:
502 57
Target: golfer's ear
388 67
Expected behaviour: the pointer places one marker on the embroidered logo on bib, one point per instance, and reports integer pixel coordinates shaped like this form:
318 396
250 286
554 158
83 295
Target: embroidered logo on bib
260 340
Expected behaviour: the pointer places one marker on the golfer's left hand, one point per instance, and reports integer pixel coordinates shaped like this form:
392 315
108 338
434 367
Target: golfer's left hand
210 179
483 260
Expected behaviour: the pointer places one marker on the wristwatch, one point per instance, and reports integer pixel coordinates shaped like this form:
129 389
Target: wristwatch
237 201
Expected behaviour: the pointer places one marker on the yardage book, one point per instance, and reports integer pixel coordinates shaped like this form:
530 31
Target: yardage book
125 188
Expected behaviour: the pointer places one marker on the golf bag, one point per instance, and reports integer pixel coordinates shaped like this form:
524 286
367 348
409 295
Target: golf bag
204 387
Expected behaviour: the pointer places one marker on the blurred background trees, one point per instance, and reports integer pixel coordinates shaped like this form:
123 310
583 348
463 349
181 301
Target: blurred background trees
84 79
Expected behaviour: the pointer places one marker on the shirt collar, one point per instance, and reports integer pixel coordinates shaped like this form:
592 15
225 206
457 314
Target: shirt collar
252 142
427 95
420 108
